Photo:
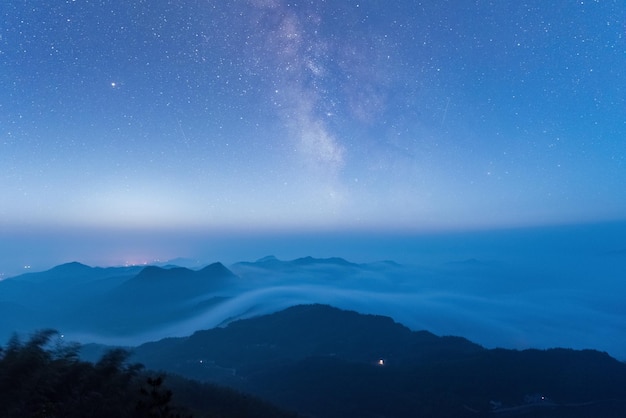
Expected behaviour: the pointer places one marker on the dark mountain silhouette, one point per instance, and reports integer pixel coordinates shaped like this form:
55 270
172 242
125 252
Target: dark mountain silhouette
212 272
267 258
71 269
74 272
217 270
272 263
308 261
268 262
318 269
55 298
156 297
328 362
154 274
156 285
311 330
210 276
110 301
69 282
319 360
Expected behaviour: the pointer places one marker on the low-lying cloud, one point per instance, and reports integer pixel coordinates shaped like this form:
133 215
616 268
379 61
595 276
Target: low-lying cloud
513 290
448 301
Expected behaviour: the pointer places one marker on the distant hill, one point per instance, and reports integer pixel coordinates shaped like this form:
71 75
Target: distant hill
55 298
317 269
211 272
328 362
491 302
320 360
156 297
152 284
75 273
272 263
114 301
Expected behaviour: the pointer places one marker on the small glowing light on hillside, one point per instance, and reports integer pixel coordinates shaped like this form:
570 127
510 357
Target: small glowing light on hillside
381 362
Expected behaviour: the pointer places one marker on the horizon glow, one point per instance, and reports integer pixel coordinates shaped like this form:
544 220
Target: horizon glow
266 117
270 113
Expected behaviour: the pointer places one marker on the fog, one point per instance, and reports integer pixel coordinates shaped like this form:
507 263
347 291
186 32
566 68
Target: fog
541 288
507 305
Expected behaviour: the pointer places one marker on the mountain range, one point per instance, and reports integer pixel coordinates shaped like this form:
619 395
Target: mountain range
497 303
312 334
326 362
126 302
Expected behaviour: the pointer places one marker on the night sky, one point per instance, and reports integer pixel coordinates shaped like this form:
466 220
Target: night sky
273 116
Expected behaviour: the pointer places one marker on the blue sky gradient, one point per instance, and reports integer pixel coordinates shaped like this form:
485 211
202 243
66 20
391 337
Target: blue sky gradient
274 117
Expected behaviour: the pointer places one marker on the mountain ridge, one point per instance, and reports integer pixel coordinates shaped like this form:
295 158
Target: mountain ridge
325 361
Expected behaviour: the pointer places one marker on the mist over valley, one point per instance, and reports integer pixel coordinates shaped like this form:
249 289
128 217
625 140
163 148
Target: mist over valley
550 287
506 323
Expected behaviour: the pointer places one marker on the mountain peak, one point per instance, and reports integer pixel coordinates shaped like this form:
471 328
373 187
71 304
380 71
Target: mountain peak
266 259
71 269
327 261
71 265
217 270
210 272
156 273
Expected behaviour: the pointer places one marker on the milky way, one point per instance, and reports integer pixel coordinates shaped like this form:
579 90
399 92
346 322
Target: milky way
270 115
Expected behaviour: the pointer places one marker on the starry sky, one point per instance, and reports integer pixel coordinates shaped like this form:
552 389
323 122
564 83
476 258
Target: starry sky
277 115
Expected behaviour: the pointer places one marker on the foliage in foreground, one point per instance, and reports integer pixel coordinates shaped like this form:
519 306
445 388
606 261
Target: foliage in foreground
44 377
